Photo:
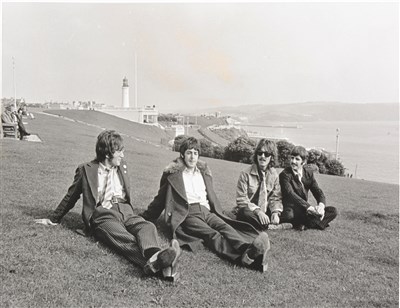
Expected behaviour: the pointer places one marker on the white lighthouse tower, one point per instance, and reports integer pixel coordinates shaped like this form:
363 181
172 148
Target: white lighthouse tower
125 93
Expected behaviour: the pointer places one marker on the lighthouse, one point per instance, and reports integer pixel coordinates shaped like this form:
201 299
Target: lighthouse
125 93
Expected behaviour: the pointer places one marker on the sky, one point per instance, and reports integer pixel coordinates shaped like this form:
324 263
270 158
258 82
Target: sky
202 55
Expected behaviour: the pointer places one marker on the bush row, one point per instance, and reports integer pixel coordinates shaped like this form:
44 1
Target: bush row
242 150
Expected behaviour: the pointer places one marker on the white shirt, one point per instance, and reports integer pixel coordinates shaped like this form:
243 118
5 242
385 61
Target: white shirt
118 189
195 187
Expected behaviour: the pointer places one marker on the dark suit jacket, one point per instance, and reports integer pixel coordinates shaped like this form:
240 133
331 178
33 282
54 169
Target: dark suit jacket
293 193
172 198
86 184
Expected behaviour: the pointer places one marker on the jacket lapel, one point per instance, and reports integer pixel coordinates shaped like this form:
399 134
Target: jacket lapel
176 181
299 184
123 176
92 176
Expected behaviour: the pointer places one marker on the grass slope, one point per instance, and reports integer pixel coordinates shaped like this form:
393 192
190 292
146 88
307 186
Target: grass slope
354 263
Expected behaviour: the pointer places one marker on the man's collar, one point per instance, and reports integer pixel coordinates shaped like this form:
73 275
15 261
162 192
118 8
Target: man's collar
299 173
186 170
104 169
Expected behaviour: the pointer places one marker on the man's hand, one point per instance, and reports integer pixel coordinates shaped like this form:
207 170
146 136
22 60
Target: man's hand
275 218
264 219
312 210
321 210
45 221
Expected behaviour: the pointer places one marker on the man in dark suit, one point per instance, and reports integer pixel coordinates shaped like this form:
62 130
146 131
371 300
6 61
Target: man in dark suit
195 217
296 182
107 211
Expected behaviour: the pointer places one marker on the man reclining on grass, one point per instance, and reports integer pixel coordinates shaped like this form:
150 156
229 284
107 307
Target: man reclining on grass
108 213
295 182
194 214
258 193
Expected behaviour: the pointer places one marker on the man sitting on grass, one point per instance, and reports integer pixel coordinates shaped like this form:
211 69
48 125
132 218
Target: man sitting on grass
108 213
194 214
295 182
258 194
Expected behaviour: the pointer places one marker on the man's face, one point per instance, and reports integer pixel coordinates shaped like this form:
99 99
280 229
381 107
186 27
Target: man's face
296 162
263 158
116 160
191 157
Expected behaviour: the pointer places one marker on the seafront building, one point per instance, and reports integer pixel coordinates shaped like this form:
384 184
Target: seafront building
145 114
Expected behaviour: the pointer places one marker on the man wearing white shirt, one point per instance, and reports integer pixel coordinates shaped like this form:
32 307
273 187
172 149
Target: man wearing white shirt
296 182
108 213
194 215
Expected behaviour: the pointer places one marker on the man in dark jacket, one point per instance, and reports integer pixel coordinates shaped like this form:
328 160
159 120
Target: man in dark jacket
296 181
195 217
107 211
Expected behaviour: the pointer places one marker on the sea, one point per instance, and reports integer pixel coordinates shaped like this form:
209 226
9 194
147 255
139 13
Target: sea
368 150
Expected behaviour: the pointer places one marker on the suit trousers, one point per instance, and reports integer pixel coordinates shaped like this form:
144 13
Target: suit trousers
128 234
217 235
297 215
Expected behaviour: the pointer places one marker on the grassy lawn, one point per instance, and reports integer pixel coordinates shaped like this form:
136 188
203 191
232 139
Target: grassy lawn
354 263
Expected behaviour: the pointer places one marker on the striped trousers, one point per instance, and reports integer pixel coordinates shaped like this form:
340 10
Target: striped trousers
126 233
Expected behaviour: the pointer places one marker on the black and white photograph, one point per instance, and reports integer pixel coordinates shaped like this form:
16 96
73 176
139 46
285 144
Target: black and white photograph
199 153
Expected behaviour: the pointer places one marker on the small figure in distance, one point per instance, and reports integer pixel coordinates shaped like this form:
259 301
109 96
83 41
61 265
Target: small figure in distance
10 116
108 213
296 181
194 215
258 193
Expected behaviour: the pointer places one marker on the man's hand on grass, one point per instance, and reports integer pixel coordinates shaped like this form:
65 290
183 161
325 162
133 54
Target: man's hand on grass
45 221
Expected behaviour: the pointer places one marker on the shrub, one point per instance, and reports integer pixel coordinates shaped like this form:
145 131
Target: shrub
219 152
240 150
334 167
178 141
206 148
284 150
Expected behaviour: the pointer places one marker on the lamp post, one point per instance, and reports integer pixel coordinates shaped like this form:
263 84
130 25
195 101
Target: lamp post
15 84
337 143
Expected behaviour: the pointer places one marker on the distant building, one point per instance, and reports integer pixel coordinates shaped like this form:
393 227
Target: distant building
178 129
125 93
145 115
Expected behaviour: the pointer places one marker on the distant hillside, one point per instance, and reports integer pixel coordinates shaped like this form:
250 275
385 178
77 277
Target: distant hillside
314 111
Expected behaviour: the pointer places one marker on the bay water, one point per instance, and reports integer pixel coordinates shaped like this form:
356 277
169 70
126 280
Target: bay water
368 150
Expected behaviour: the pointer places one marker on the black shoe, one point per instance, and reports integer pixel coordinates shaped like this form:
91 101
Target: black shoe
301 228
164 261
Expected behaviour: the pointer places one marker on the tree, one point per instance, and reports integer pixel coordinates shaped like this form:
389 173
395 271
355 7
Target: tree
334 167
206 148
240 150
178 141
219 152
284 150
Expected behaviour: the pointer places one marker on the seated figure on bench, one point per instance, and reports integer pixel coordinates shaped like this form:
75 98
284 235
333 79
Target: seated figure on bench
10 116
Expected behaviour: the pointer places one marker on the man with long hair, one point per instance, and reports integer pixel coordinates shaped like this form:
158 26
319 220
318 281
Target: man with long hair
194 215
258 193
108 213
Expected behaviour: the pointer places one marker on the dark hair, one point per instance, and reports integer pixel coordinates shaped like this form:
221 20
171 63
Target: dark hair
270 147
300 151
188 144
107 143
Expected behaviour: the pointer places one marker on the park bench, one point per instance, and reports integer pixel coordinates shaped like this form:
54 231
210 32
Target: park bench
10 130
